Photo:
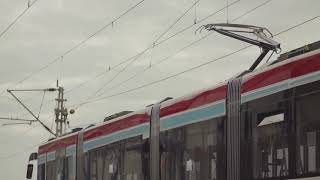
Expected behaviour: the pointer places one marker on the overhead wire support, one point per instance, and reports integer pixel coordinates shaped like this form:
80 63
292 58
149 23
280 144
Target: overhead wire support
17 119
9 124
23 105
200 21
174 23
227 11
21 121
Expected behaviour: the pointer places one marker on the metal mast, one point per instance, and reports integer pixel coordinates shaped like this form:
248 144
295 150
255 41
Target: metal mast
61 113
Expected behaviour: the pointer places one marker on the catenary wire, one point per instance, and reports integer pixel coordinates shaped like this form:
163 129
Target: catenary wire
182 49
195 67
140 54
148 48
300 24
155 41
75 46
151 47
187 70
79 43
133 58
281 32
189 45
17 18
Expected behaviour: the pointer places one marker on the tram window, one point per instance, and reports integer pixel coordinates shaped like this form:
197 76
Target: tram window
110 163
270 126
86 166
272 148
41 172
193 152
105 163
133 159
69 165
308 128
93 165
122 160
51 170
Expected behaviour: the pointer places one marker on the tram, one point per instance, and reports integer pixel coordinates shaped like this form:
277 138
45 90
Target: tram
263 124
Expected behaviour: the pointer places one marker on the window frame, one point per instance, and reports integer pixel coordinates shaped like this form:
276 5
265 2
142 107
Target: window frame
183 132
300 92
253 112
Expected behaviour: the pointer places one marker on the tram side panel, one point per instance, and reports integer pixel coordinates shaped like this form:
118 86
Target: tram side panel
281 125
201 137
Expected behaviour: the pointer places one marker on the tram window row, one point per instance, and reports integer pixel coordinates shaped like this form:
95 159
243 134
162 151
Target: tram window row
280 138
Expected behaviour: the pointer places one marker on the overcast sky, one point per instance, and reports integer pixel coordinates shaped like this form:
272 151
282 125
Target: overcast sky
50 28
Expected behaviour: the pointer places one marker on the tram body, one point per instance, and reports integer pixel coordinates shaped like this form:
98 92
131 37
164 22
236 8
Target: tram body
262 125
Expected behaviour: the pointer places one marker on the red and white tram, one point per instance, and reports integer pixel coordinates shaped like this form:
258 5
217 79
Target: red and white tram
262 125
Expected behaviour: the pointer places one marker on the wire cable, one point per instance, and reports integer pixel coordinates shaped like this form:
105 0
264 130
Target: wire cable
158 62
134 58
145 50
162 41
80 43
17 18
189 45
188 70
44 93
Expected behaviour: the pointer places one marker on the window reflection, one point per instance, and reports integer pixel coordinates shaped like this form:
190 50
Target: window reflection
123 160
272 146
41 171
192 152
308 129
104 163
133 161
51 170
268 128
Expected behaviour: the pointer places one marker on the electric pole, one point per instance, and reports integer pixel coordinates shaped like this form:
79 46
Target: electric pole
61 113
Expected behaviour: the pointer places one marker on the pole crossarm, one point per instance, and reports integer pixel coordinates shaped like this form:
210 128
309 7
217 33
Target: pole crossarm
17 119
22 104
47 89
9 124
